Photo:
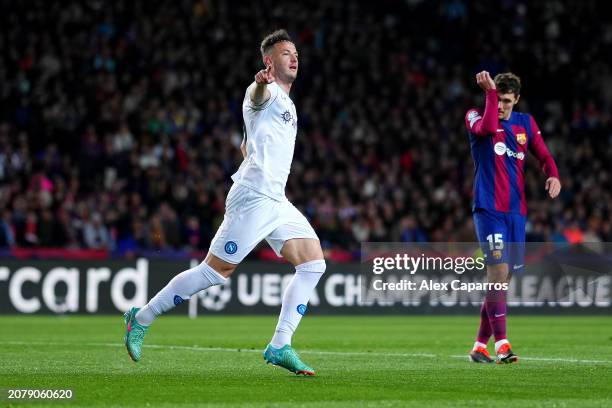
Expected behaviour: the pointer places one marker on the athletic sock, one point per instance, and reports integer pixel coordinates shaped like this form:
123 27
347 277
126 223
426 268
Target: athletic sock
295 299
179 289
500 343
496 309
485 330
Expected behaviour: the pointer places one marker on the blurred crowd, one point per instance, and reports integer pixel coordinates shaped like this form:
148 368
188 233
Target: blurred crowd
120 122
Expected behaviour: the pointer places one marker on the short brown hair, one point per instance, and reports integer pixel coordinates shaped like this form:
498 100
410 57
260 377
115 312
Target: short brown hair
508 83
273 38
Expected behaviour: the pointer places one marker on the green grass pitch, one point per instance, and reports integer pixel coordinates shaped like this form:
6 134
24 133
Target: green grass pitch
372 361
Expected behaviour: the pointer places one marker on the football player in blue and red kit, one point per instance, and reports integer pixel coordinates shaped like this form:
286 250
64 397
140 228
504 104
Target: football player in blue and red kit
500 138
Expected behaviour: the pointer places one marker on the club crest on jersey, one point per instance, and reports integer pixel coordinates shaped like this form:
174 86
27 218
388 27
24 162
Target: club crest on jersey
287 117
521 138
231 247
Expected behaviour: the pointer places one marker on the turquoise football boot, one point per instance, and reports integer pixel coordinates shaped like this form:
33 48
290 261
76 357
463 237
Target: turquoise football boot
134 334
287 358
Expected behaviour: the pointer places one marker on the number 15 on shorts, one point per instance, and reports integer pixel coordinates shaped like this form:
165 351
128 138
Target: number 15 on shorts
496 241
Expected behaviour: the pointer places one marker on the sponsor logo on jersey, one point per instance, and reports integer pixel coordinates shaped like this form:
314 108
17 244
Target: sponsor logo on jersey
500 149
521 138
231 247
301 309
286 116
178 300
473 117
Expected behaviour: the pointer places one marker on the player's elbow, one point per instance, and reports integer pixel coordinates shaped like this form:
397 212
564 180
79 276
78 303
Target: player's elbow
483 131
489 129
478 125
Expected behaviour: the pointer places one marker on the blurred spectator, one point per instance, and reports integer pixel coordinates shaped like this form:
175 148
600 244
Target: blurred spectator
409 232
96 234
7 239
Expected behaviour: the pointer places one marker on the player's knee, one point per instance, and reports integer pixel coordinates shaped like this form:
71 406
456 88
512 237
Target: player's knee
316 252
313 266
220 266
497 273
299 251
322 265
314 258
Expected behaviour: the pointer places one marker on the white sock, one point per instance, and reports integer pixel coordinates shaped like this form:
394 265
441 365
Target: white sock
179 289
500 343
295 299
479 344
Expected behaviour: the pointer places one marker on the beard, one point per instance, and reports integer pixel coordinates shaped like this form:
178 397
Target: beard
288 76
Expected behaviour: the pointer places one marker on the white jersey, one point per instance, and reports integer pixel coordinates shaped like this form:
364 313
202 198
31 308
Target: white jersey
271 129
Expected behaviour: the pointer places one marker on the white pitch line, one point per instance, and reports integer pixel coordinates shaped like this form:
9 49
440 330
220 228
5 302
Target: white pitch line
212 349
319 352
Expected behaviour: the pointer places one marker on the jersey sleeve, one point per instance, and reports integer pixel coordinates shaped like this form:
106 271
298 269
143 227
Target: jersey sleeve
273 88
483 124
540 151
471 118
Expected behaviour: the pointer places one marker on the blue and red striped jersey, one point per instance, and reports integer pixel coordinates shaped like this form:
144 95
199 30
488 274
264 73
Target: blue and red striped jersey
499 159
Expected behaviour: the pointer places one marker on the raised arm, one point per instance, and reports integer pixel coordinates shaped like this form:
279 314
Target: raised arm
485 125
260 93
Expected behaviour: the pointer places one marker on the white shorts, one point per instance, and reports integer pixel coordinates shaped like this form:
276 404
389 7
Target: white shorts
251 217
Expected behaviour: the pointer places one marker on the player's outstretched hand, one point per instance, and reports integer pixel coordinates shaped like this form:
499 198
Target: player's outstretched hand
265 76
553 186
484 80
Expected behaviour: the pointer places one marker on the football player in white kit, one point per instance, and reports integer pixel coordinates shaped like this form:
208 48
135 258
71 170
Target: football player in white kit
256 208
